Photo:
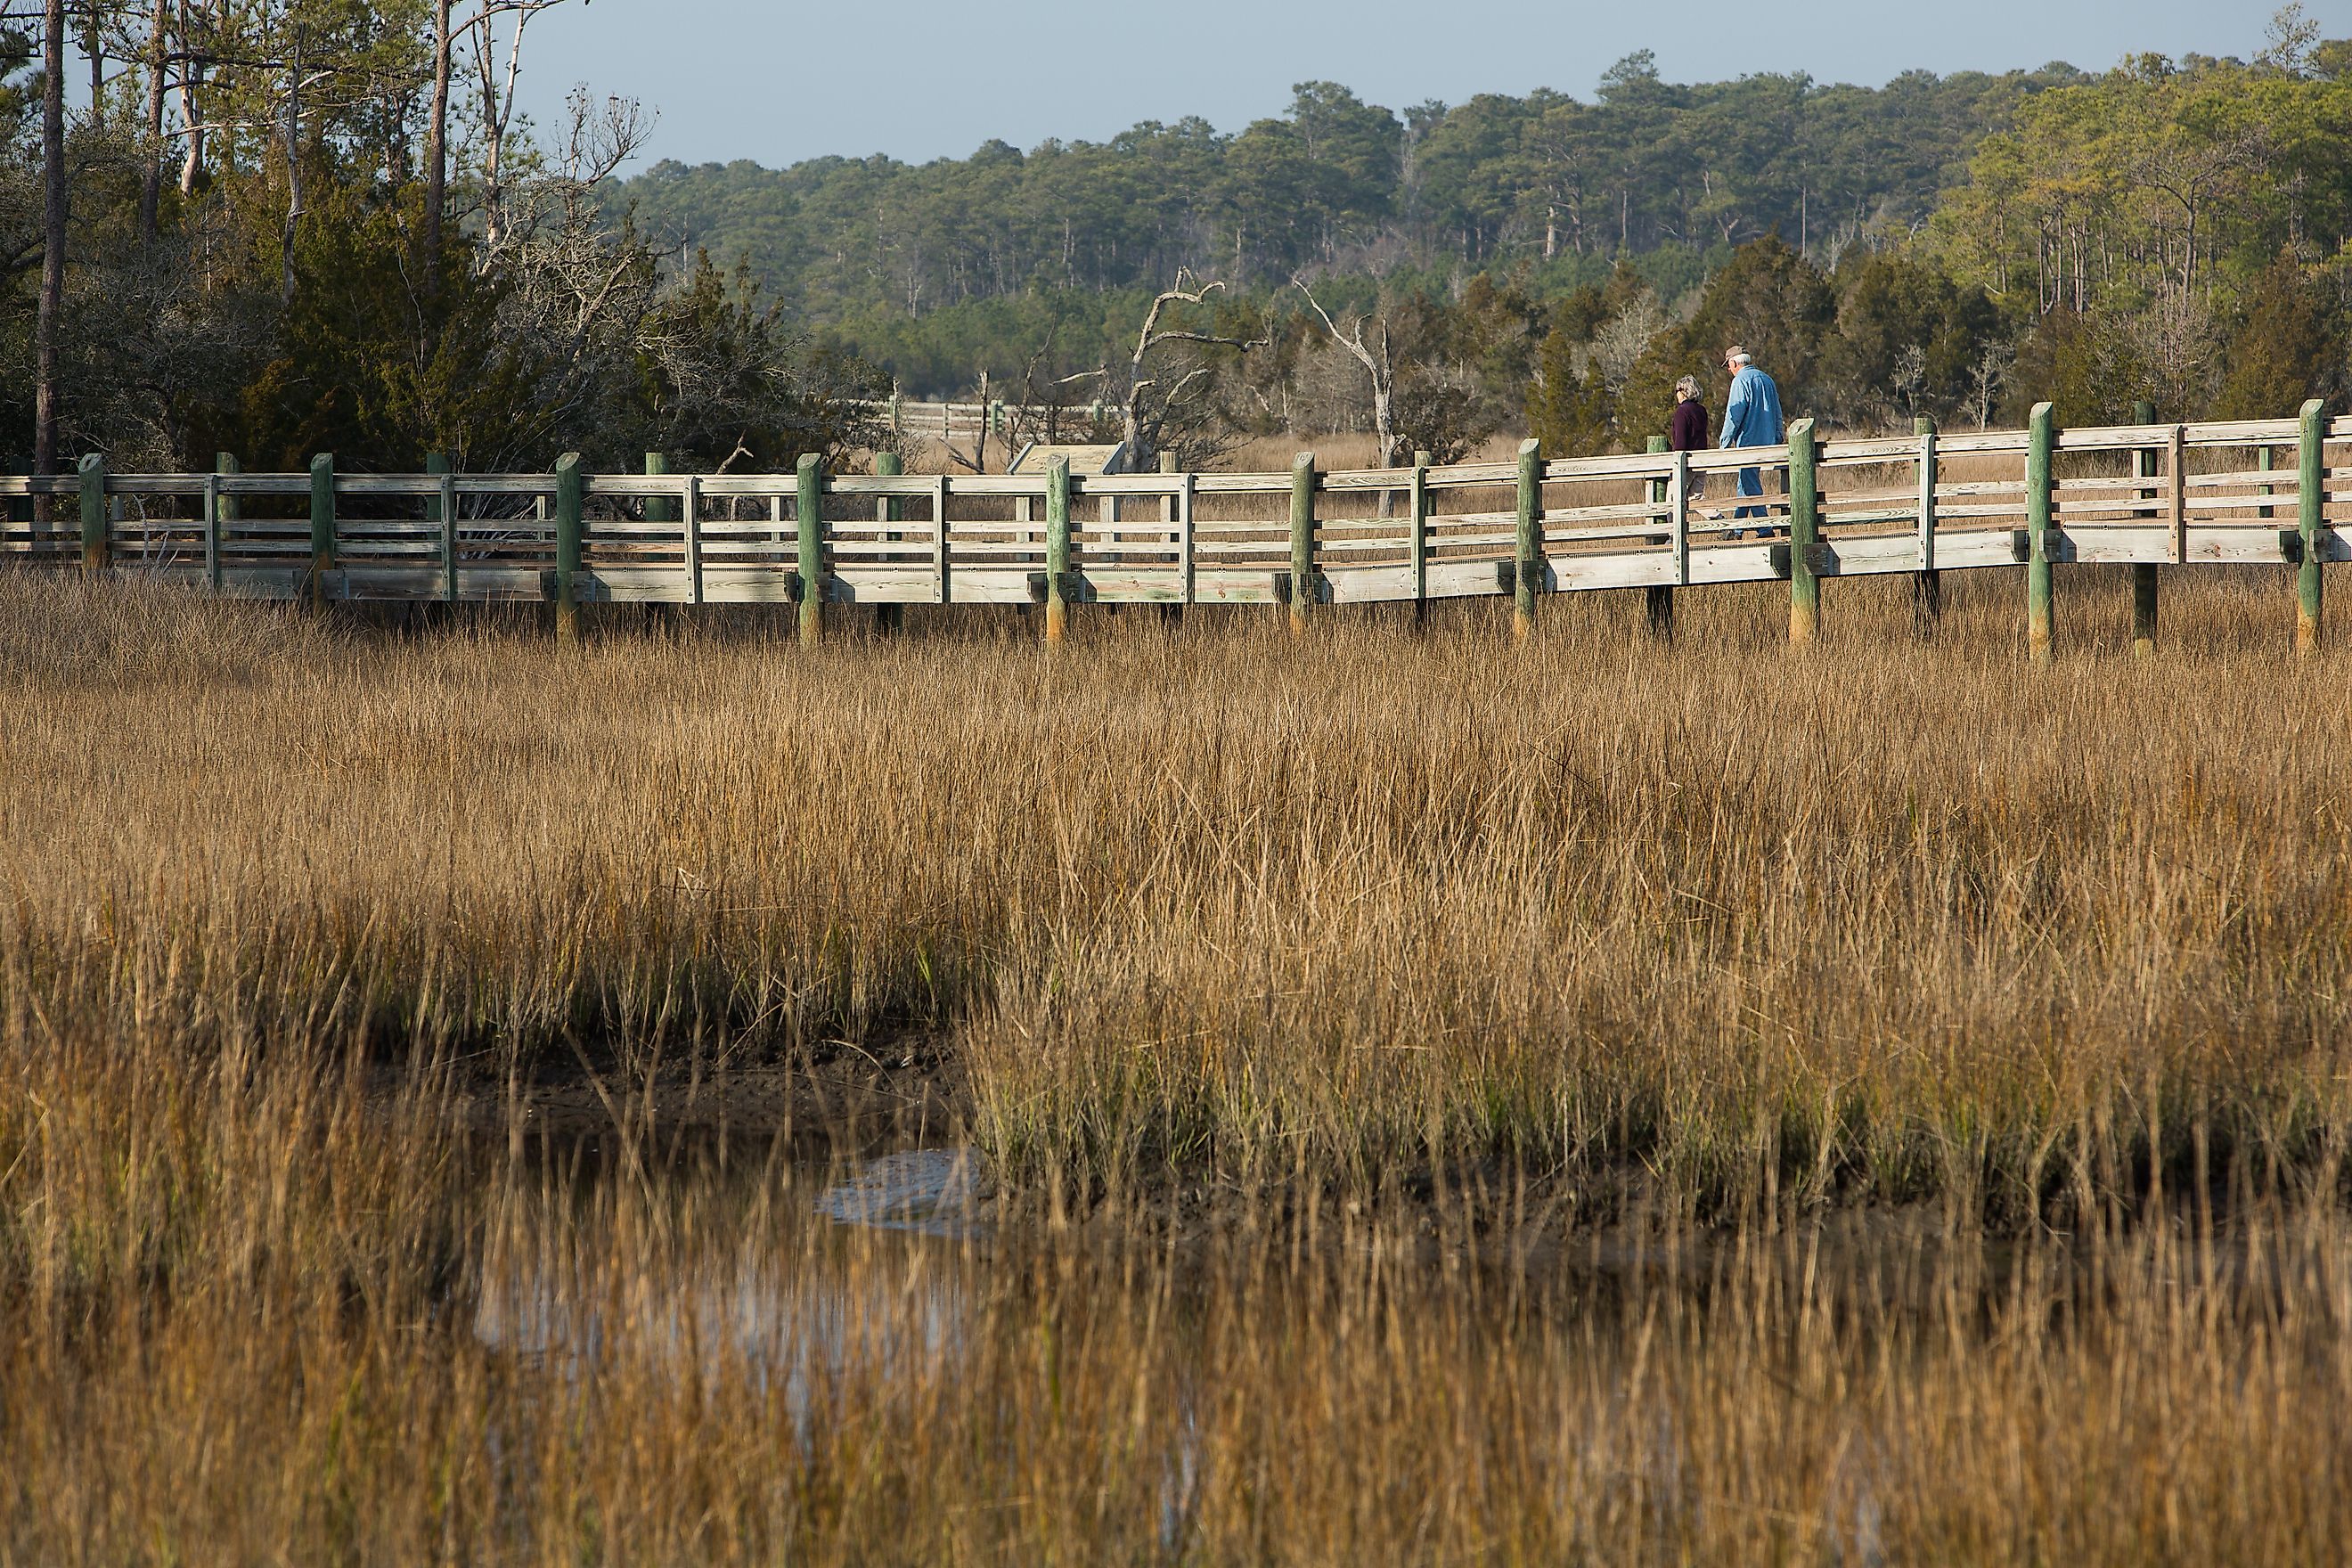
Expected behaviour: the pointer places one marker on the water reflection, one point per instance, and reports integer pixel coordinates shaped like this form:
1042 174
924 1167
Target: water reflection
740 1274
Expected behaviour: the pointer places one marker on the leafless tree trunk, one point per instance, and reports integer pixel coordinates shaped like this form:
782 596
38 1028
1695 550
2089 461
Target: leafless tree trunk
151 188
293 168
1378 366
436 150
192 77
495 82
1142 434
53 244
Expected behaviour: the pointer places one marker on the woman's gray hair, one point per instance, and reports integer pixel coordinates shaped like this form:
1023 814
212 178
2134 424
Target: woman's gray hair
1687 387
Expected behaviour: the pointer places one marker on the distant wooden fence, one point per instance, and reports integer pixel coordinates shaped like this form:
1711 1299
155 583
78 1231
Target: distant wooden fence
2147 495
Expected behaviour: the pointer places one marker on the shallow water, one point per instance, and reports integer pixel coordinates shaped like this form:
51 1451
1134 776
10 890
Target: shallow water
930 1192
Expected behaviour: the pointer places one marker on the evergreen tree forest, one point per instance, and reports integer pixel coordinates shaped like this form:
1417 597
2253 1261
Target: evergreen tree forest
276 227
1956 245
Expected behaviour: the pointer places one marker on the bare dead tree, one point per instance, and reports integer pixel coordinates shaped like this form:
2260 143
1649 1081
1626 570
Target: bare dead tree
1151 405
192 77
53 244
437 154
496 72
151 184
1379 367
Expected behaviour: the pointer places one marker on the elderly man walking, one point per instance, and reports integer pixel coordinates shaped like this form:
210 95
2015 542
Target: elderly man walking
1750 418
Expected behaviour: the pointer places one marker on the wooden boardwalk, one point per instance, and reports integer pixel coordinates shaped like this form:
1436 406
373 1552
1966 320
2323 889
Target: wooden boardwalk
2148 495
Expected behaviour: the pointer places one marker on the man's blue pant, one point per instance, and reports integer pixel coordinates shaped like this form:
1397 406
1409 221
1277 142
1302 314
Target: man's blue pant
1751 483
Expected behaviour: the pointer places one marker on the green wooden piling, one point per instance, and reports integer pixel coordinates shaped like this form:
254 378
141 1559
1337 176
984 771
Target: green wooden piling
323 524
1057 549
891 616
2311 508
2144 578
808 507
223 512
1927 580
1804 530
2041 539
659 509
1176 512
94 553
442 508
1527 569
570 489
1418 541
1658 599
1302 540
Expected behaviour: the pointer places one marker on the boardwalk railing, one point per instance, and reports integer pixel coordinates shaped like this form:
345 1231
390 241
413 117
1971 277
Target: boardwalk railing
2148 495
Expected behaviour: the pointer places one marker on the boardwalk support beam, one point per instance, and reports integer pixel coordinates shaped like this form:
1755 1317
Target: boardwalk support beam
1057 550
808 521
93 513
569 492
1528 557
1658 599
2311 508
1927 581
1804 533
323 524
2144 578
1302 540
892 617
2040 536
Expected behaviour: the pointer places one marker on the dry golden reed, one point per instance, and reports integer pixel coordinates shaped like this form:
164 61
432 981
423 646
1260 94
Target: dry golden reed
1699 1103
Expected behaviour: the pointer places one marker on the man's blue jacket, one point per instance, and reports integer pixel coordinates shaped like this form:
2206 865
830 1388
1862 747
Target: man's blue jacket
1752 416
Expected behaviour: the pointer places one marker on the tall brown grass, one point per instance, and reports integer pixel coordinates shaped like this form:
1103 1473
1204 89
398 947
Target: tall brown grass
1693 1102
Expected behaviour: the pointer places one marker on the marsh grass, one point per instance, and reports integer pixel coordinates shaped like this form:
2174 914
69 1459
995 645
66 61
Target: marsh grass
1647 1103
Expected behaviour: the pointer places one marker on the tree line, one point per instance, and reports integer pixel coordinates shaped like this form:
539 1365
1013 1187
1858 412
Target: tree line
1956 246
277 228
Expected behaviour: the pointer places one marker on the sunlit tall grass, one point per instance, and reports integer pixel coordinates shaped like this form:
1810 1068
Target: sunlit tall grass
1446 1099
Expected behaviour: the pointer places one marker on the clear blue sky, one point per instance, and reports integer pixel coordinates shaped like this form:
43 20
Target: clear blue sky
926 79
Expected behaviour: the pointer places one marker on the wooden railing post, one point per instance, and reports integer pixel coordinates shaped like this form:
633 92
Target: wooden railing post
1302 540
443 509
570 491
1419 543
2311 508
1527 569
1057 549
2144 578
1926 582
1658 599
2041 438
94 551
220 514
889 616
323 524
809 521
1176 513
1804 532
